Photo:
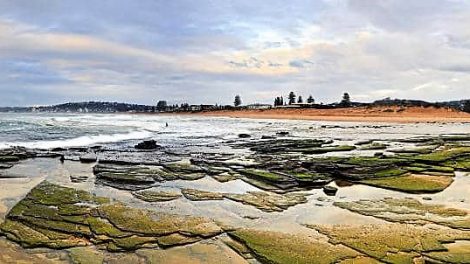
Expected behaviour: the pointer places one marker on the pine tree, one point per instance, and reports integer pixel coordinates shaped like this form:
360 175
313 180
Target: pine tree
238 100
162 105
291 97
310 100
346 101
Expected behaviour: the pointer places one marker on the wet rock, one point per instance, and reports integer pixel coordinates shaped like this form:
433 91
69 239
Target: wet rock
269 202
5 165
88 158
410 210
412 183
267 137
276 247
59 217
330 190
78 178
244 135
147 144
126 174
391 243
282 145
374 146
198 195
364 142
322 150
156 196
9 158
135 177
282 133
273 178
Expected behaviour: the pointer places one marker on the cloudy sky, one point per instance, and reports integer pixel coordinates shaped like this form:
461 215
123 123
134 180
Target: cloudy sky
207 51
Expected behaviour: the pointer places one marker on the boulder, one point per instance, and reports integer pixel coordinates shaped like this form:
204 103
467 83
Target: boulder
147 144
330 190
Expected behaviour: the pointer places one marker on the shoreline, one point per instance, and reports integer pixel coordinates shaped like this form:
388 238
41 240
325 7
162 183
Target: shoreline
360 114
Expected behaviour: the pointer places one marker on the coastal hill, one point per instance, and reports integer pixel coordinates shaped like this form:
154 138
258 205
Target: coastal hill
393 110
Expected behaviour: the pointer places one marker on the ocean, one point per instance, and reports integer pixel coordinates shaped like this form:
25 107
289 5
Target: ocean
54 130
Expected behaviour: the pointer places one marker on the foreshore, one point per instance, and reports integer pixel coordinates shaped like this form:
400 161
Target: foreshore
360 114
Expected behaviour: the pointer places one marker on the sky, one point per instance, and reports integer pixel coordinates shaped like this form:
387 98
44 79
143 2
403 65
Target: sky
208 51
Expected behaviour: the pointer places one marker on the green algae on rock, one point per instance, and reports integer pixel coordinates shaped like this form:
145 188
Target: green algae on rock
373 146
85 255
412 183
156 196
275 247
60 217
392 243
198 195
269 202
411 211
264 201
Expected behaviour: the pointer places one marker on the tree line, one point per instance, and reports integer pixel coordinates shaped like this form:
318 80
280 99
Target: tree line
292 99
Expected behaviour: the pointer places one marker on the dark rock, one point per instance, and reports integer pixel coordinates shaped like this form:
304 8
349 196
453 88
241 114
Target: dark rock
58 149
88 158
282 133
330 190
268 137
244 135
147 144
78 178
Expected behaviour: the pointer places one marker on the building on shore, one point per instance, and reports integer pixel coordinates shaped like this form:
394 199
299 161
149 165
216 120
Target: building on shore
258 106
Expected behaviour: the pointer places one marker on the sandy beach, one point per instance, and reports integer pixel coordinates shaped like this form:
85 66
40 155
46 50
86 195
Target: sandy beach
366 114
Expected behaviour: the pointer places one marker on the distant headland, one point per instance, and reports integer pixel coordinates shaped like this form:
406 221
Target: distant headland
393 110
291 102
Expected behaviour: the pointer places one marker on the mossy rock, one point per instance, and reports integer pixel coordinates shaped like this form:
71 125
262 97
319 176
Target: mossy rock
176 240
156 196
130 243
262 175
462 163
458 252
9 158
269 202
155 224
391 243
198 195
41 220
374 146
37 237
323 150
412 183
85 255
410 210
389 173
444 155
275 247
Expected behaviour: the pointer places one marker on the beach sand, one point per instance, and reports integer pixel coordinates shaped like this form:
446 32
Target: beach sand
358 114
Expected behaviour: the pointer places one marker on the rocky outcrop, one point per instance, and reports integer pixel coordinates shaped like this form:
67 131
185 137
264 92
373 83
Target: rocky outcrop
58 217
147 144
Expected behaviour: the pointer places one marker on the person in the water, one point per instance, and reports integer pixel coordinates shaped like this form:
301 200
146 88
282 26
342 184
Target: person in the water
166 124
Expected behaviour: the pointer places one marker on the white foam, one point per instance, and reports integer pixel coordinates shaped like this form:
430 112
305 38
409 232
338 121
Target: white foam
79 141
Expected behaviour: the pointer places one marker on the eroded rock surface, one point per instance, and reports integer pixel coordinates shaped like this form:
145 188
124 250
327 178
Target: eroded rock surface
410 210
392 243
59 217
